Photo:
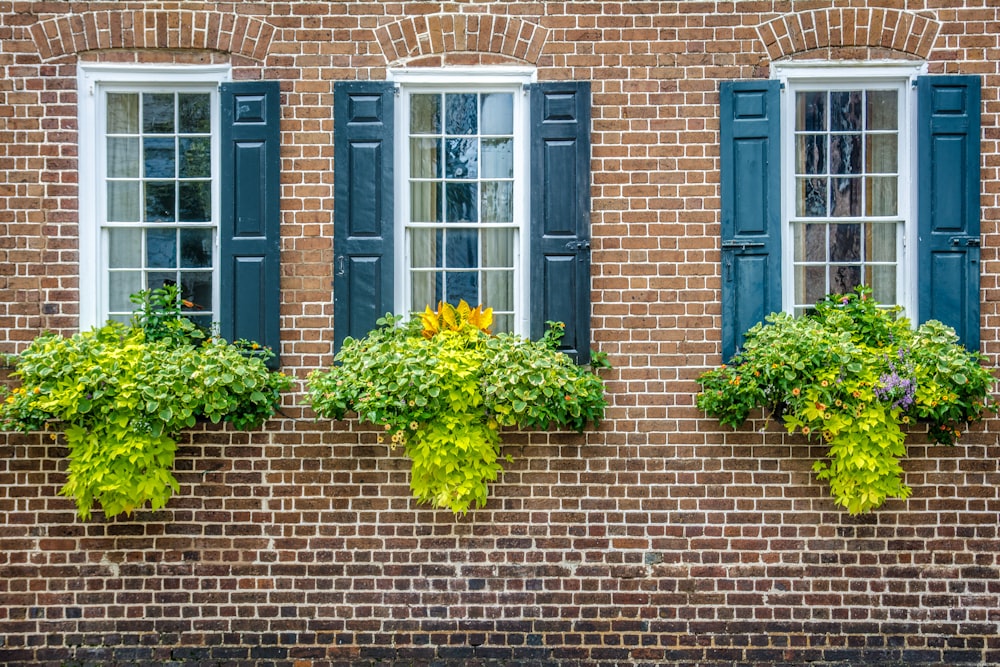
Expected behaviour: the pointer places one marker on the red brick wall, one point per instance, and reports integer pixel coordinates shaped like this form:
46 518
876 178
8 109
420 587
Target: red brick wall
658 538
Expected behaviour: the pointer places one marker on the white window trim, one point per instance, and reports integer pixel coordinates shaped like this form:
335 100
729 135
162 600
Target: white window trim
827 74
465 79
92 78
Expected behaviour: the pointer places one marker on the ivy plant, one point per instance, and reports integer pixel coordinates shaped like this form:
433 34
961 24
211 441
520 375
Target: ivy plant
122 393
441 385
851 373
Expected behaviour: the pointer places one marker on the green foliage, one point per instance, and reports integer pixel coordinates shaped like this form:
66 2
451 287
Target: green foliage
121 394
444 396
851 373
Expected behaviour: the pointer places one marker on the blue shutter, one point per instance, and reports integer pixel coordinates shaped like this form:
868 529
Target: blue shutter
751 212
560 212
948 211
249 229
363 201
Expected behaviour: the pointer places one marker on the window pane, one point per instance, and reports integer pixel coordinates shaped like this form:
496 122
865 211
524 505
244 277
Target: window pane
813 285
498 248
498 158
121 285
425 290
123 113
843 279
124 248
883 284
158 157
461 160
157 113
196 287
461 286
809 243
845 154
461 202
497 113
425 247
883 110
425 158
194 111
160 202
845 111
123 157
123 201
497 201
195 157
810 200
425 202
196 248
462 249
882 152
882 196
845 198
498 290
882 242
195 201
161 248
845 243
460 114
810 112
810 154
157 279
425 114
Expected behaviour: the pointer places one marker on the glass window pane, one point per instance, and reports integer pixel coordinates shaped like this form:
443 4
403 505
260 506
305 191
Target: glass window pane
459 286
161 248
845 197
845 154
157 279
809 243
461 248
124 248
460 114
461 159
123 201
882 154
498 158
810 111
426 289
158 157
810 154
195 157
123 157
196 287
498 290
196 248
160 202
845 111
425 157
497 113
123 113
882 242
810 199
425 202
883 110
425 248
811 286
194 113
122 285
502 323
498 248
497 201
462 202
882 196
425 114
883 284
157 113
195 201
843 279
845 243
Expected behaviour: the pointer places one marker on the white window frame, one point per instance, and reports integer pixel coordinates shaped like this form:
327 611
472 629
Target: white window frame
93 80
826 75
468 80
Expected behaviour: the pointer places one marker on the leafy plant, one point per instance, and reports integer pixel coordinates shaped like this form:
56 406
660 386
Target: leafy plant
441 386
121 394
851 373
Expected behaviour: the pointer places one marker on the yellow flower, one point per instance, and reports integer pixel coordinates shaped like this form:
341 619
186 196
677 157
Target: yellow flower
413 426
806 430
380 439
10 399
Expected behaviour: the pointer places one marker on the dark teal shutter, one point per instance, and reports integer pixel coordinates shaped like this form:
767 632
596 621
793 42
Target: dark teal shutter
948 205
751 211
560 212
249 230
363 213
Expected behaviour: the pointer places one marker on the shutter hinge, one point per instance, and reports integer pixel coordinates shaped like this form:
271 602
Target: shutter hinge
741 245
578 246
965 241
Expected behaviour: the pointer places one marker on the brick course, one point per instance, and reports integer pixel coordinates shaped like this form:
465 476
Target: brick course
659 538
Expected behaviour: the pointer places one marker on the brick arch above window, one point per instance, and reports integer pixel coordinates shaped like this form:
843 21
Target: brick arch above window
874 29
161 29
461 39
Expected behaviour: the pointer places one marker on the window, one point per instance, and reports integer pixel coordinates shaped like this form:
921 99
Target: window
463 184
838 176
178 185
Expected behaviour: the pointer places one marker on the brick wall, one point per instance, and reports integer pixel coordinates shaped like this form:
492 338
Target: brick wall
658 538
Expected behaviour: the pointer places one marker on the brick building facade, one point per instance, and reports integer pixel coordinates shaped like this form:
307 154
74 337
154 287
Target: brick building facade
659 537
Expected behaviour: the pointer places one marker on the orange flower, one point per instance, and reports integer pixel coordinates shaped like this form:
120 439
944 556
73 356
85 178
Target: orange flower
796 391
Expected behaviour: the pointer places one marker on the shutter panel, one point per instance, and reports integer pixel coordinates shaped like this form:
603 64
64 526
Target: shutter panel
560 212
750 163
250 213
363 201
948 208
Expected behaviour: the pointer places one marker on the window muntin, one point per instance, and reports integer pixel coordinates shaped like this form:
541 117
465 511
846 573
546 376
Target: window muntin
463 224
846 190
